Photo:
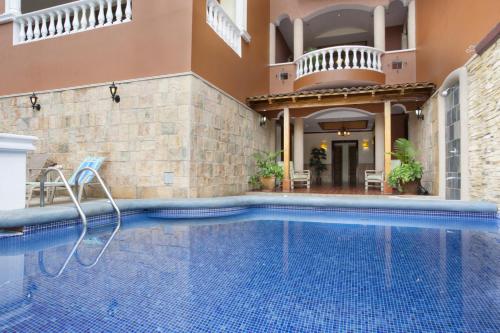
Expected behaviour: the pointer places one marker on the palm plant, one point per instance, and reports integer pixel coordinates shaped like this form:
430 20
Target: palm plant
318 155
410 170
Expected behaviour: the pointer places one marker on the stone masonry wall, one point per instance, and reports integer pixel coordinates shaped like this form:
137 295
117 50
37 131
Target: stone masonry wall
484 124
149 132
424 134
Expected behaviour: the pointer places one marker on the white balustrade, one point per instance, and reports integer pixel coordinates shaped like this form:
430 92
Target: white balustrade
339 57
72 17
224 26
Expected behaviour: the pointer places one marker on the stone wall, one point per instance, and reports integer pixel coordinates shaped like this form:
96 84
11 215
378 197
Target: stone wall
424 134
175 124
484 124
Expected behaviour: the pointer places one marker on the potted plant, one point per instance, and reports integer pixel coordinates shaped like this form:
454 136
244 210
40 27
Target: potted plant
318 155
268 169
405 177
255 183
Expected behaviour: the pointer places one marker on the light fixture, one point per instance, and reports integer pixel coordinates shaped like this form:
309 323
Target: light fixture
263 121
34 104
444 93
343 132
419 113
113 89
323 145
365 144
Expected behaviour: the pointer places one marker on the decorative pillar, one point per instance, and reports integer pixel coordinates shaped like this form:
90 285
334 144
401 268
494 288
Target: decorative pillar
12 7
387 145
379 27
286 150
379 142
298 38
412 31
298 144
272 44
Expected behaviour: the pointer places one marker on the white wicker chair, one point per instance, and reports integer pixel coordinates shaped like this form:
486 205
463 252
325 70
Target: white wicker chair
301 177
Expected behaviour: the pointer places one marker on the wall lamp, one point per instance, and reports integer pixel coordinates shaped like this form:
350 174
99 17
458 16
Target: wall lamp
34 104
419 113
444 93
113 89
263 121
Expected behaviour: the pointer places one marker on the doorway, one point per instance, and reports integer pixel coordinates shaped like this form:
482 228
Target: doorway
344 162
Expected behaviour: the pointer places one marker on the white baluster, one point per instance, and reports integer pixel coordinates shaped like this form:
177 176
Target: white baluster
362 60
67 21
339 59
52 24
36 31
44 30
92 15
347 58
100 17
369 59
109 13
355 58
323 65
76 20
118 13
306 67
29 33
330 64
316 62
59 25
379 60
128 11
83 23
375 64
22 31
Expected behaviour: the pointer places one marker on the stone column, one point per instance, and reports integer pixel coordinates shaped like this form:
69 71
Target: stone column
298 38
379 142
286 150
412 30
379 27
387 145
298 144
272 44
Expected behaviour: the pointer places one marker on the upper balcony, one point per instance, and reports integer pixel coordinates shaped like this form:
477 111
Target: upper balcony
345 46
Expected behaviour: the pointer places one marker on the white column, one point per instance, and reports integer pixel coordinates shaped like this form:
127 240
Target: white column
379 27
13 149
298 144
379 142
272 44
298 38
13 7
412 31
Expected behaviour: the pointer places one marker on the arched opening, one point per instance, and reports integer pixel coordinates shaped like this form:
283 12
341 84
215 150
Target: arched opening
284 39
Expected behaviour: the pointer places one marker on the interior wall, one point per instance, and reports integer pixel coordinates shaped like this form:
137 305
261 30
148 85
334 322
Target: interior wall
283 52
314 141
144 47
33 5
216 62
393 38
447 30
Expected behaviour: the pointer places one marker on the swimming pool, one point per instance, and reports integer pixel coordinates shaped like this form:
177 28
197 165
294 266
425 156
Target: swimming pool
256 270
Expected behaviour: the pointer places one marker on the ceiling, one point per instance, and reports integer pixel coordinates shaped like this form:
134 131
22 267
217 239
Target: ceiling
331 120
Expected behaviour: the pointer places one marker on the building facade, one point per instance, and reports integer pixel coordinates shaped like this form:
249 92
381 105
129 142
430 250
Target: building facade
196 79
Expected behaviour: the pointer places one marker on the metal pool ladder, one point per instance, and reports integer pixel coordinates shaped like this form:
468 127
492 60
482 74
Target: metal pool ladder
79 209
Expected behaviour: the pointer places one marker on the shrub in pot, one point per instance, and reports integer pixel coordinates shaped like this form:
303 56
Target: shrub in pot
268 170
405 177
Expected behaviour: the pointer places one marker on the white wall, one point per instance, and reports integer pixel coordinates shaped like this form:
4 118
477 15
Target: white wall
314 140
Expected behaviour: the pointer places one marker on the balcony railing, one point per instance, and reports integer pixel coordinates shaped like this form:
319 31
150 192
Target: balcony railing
338 58
77 16
224 26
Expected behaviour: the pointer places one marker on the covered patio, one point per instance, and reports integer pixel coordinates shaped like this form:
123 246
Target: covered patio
364 120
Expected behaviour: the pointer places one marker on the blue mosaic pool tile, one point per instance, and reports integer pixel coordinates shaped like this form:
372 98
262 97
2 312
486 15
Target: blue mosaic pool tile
258 276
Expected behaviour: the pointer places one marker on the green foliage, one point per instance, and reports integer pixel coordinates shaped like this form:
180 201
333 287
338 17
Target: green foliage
254 182
316 160
410 170
267 165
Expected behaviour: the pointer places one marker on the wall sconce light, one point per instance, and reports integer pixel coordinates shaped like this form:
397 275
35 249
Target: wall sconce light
263 121
365 144
34 104
444 93
113 89
419 113
323 145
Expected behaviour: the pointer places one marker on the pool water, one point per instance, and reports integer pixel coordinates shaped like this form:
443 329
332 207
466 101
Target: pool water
348 273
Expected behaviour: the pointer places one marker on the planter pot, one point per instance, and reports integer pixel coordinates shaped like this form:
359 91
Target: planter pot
411 187
268 183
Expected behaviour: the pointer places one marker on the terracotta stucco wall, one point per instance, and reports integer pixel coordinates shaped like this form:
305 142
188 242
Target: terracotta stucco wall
446 30
283 52
216 62
156 42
